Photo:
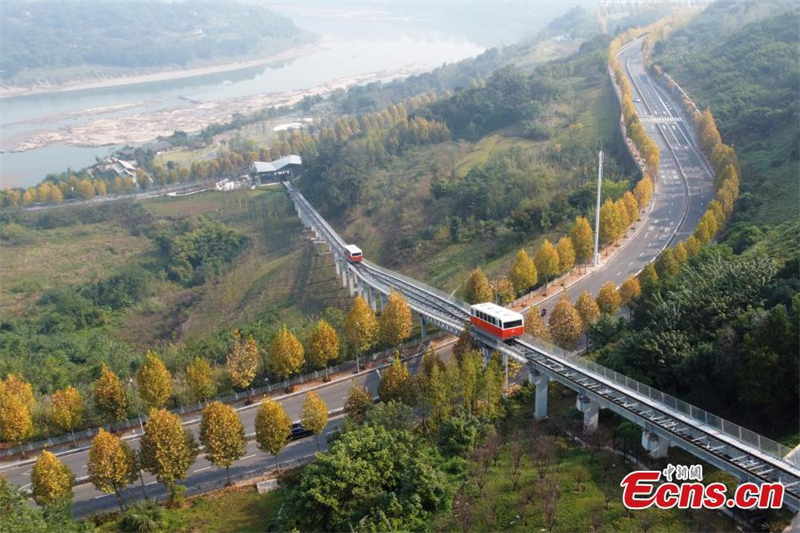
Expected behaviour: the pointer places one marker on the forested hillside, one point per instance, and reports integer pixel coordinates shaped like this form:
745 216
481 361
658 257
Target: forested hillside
516 163
721 331
42 36
749 78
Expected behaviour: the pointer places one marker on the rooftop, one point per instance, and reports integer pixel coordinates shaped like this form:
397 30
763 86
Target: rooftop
273 166
497 311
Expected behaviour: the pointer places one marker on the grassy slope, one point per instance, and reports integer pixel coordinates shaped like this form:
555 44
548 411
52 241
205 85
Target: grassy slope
278 273
438 261
48 259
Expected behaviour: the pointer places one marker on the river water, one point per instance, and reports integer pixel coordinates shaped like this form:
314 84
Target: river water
357 47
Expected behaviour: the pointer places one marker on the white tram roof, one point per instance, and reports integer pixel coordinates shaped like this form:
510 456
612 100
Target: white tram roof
496 311
352 249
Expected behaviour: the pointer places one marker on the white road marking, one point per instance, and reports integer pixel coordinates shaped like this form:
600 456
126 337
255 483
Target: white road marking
202 469
101 496
151 483
248 456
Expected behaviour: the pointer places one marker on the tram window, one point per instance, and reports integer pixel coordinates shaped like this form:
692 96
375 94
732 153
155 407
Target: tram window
513 324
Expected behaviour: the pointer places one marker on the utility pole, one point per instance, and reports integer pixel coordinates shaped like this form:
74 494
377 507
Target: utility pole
597 211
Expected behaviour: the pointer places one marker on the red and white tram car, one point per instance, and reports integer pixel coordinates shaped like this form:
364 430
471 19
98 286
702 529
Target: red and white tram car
353 253
497 321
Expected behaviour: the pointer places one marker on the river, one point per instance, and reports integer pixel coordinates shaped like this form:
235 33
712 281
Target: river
350 48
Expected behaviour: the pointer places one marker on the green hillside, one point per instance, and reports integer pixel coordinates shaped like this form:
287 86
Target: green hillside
749 77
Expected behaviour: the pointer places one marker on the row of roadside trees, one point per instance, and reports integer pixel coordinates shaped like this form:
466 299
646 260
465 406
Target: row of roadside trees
167 450
112 399
575 248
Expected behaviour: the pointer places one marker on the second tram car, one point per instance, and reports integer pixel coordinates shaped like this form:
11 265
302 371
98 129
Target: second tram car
353 253
497 321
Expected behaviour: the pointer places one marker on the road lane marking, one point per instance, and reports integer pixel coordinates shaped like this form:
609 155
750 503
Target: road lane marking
151 483
202 469
101 496
248 456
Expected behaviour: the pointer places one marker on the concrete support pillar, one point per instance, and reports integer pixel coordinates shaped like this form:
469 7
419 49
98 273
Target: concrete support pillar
373 300
542 384
344 272
336 260
487 355
656 446
591 413
351 284
505 373
383 302
423 327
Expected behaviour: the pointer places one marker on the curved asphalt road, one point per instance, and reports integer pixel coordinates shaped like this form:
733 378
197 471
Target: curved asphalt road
683 189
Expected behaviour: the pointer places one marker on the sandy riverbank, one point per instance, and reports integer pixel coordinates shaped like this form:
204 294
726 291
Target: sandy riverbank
162 75
194 116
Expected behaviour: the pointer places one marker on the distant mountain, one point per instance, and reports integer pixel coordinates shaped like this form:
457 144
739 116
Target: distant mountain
45 39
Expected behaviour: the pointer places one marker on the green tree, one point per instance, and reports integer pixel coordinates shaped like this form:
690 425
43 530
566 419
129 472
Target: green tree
360 327
478 289
565 324
273 427
396 383
200 379
67 410
167 450
153 382
582 238
323 346
463 345
314 415
111 465
471 367
285 353
358 401
523 273
547 262
109 395
222 435
51 481
666 265
243 361
395 321
608 298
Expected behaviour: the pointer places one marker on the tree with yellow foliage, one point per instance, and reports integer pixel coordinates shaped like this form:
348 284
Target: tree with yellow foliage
503 291
523 274
547 262
629 292
395 320
109 395
565 324
154 382
243 361
648 277
582 238
111 465
608 298
360 327
51 480
222 435
359 400
273 427
566 255
16 424
587 308
396 383
631 206
314 415
478 289
535 326
200 379
643 191
67 410
612 225
167 450
285 353
323 346
19 387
